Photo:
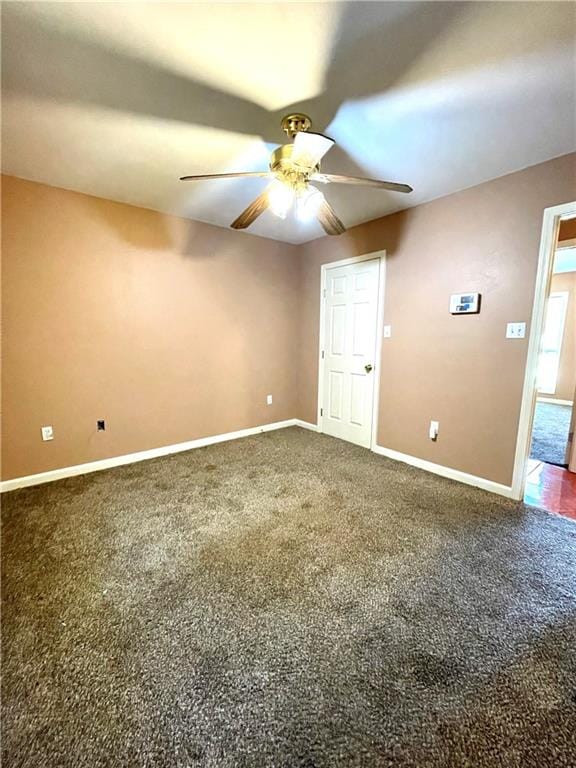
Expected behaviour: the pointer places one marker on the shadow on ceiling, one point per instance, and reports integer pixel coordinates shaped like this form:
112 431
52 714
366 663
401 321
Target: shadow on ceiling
374 46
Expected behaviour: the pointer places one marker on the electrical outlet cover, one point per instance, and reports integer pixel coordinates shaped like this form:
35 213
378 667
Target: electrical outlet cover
47 433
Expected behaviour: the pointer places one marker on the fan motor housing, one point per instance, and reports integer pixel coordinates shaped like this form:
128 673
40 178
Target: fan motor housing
284 167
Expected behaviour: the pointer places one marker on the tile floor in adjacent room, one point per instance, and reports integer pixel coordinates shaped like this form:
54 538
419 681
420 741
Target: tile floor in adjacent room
551 488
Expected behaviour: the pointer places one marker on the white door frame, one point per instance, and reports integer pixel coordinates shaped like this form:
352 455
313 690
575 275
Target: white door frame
548 242
381 256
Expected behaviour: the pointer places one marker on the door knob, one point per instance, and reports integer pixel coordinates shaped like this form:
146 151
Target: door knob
368 368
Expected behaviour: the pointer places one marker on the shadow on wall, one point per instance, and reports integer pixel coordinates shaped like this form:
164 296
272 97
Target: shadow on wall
382 234
139 227
151 230
199 241
372 236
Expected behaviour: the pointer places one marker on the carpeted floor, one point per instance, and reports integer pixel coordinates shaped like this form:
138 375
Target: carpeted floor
287 600
550 432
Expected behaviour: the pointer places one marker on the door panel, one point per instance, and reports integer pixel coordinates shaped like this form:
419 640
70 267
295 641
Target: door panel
335 395
357 399
338 286
361 317
351 308
338 330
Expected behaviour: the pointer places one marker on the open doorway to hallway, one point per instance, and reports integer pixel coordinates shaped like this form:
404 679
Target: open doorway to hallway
551 477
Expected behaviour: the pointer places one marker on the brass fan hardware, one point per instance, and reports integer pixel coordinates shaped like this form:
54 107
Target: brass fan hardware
292 124
292 167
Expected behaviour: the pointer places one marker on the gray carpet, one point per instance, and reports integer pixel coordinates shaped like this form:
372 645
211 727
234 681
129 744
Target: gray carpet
550 432
287 600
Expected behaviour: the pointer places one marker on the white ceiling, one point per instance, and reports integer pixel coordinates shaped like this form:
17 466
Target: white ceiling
120 99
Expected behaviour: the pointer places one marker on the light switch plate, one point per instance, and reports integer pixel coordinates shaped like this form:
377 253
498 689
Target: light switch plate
387 331
515 330
47 433
268 399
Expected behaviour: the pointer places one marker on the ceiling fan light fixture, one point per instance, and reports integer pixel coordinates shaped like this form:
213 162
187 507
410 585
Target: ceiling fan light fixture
309 149
280 198
308 205
292 166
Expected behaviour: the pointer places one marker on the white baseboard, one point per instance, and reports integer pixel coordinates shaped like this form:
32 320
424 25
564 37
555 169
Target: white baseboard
451 474
554 401
153 453
306 425
130 458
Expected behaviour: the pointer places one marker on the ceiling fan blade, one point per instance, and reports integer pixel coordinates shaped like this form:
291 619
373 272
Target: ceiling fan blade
310 148
330 222
250 214
327 178
247 174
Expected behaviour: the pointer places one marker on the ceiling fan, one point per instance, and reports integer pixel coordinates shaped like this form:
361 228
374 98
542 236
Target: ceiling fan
292 168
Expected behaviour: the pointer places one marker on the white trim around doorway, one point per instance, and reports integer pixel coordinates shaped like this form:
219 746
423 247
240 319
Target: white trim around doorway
548 241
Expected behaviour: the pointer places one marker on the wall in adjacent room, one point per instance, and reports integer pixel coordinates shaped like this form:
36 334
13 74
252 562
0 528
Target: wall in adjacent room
168 329
567 230
566 383
459 370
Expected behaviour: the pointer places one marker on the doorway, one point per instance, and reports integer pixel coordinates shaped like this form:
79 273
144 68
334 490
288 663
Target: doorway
349 345
556 376
548 478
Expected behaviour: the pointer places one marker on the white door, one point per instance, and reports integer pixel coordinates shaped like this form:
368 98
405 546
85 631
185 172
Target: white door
349 350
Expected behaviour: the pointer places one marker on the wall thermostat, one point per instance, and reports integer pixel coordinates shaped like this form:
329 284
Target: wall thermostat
464 303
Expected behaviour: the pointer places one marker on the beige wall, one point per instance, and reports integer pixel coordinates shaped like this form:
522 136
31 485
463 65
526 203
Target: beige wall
458 370
566 383
173 330
168 329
